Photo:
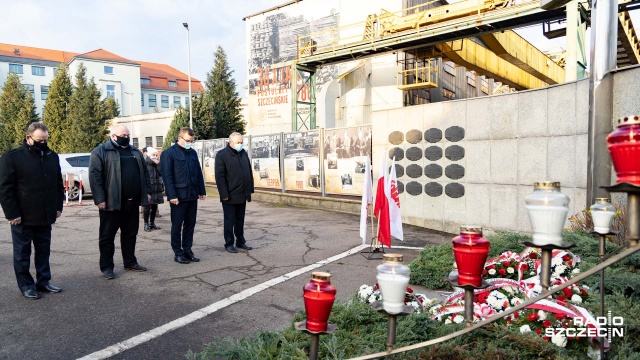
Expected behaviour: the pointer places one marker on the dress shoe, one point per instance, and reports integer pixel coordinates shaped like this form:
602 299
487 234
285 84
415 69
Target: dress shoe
181 259
135 267
191 257
31 294
153 226
108 274
244 247
147 228
231 249
48 288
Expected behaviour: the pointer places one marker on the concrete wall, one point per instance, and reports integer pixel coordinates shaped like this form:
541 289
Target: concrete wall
509 142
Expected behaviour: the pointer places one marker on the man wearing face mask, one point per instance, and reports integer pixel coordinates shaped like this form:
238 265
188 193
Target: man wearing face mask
184 185
120 184
31 195
235 185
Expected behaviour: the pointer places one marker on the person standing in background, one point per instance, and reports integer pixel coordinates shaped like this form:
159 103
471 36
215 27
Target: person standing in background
31 195
157 188
184 185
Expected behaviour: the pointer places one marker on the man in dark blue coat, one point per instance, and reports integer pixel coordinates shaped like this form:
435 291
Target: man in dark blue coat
234 179
184 185
31 195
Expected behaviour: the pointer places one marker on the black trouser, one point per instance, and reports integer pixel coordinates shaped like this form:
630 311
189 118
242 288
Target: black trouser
127 220
150 211
234 223
23 236
183 222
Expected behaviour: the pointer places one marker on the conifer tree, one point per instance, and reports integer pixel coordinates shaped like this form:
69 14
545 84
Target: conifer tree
180 120
221 90
203 122
88 124
56 109
17 111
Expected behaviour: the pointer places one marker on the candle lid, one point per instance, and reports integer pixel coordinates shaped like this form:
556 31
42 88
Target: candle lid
471 229
392 257
320 276
603 200
628 120
546 185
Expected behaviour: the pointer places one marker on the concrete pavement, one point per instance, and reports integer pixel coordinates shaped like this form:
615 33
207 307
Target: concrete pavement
93 313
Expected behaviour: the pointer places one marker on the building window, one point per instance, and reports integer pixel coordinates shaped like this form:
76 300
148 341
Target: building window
37 70
135 142
159 141
449 67
144 81
29 88
15 68
44 92
108 70
111 91
186 101
176 102
165 101
471 78
173 83
485 85
141 99
55 71
152 100
448 94
149 141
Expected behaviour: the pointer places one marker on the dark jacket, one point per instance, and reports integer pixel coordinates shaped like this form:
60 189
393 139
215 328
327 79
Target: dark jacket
234 177
105 176
155 180
31 185
182 174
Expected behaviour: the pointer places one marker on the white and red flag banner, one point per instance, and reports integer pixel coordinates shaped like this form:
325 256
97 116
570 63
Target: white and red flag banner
395 217
367 197
381 208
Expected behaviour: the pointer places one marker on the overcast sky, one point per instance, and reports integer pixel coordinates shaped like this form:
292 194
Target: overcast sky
151 30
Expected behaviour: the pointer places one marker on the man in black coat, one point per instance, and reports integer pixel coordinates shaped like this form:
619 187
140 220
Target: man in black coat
120 184
184 185
31 195
235 185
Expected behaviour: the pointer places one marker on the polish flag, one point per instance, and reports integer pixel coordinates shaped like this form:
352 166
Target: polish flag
367 197
381 208
395 216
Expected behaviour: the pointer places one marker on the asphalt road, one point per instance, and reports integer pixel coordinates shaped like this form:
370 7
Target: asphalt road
93 313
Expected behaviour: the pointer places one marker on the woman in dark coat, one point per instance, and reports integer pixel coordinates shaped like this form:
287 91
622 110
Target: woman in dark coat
157 188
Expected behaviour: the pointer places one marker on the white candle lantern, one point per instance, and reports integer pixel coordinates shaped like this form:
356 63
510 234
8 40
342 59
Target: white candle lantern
548 209
393 279
602 213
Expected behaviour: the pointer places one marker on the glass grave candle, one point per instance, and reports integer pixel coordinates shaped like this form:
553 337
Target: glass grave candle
470 249
393 279
547 208
602 213
319 296
624 147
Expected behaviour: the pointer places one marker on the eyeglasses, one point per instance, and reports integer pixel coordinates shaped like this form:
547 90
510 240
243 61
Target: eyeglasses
41 141
188 140
126 136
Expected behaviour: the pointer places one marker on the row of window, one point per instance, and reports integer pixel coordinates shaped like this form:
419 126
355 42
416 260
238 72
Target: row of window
44 90
35 70
148 141
145 81
164 101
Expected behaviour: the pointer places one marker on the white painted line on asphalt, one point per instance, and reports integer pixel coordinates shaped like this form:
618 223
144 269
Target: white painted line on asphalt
407 247
199 314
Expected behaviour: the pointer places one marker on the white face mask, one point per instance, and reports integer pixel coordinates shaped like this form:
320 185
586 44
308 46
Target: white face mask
187 145
238 147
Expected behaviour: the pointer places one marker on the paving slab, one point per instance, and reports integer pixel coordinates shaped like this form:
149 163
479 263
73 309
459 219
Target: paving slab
93 313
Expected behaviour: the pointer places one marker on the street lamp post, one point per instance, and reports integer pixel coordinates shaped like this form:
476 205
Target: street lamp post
186 26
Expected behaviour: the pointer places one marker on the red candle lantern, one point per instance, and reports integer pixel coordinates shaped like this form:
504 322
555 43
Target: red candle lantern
624 146
471 251
319 295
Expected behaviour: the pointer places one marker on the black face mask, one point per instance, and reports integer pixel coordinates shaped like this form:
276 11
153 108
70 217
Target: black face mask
122 141
38 146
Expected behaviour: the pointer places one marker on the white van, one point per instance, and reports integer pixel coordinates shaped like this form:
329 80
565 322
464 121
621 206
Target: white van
78 165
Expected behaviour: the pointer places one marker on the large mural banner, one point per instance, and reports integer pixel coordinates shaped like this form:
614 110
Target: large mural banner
210 149
265 161
345 156
302 161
